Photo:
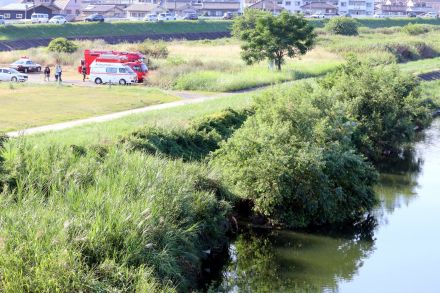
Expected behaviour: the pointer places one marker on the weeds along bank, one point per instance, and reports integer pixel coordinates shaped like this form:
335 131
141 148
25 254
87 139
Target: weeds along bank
140 214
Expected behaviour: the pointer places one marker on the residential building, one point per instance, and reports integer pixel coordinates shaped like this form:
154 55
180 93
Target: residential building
107 10
319 7
266 5
399 8
19 11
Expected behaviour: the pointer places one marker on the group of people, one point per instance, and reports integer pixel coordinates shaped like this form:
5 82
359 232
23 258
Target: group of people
58 73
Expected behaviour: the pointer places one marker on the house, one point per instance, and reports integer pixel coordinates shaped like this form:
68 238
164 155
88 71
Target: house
266 5
71 8
19 11
312 7
140 10
219 8
107 10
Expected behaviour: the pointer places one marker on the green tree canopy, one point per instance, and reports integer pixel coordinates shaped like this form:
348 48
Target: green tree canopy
272 37
62 45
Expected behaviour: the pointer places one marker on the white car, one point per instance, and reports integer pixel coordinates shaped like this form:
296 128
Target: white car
150 17
9 74
2 19
58 19
39 18
429 15
166 16
111 73
317 15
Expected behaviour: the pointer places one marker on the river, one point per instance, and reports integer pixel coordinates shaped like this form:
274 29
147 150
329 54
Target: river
396 250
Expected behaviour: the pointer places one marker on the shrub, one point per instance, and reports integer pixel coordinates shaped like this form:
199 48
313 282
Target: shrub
192 143
62 45
415 29
295 162
156 50
385 104
342 26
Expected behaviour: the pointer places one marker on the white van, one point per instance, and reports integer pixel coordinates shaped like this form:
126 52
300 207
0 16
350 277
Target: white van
112 73
39 18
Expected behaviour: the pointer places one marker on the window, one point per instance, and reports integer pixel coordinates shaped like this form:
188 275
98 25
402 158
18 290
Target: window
368 4
77 12
280 2
111 70
343 4
7 15
298 4
18 15
288 3
122 70
218 13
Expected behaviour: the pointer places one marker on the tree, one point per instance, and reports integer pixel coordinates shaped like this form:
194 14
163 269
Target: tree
62 45
272 37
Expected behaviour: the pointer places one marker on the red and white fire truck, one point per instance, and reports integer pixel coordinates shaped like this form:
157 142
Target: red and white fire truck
134 60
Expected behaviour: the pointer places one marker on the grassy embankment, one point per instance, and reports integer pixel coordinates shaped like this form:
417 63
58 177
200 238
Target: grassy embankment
30 31
28 105
106 218
26 31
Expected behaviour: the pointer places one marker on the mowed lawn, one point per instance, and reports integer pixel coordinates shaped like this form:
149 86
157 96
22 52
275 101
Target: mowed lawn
27 105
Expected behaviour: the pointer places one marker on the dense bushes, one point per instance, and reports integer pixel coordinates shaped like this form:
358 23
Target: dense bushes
193 143
385 105
299 158
342 26
62 45
295 163
105 220
415 29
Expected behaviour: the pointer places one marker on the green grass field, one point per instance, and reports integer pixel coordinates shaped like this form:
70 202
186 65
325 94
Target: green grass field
27 105
29 31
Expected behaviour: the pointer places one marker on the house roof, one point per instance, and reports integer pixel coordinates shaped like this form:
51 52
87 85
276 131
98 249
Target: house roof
17 6
223 5
319 5
61 4
99 8
266 5
144 7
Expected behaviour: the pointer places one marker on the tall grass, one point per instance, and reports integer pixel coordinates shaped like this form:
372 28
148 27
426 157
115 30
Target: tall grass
104 219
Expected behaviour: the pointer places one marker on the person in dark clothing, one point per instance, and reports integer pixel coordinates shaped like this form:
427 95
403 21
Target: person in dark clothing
84 72
46 73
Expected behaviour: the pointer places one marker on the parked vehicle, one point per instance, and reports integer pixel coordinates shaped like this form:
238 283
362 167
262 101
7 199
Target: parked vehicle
26 65
58 19
39 18
152 17
9 74
228 15
317 15
190 16
134 60
430 14
112 73
412 14
94 18
2 20
166 16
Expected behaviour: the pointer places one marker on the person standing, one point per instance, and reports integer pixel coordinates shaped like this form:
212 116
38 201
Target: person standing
84 72
46 73
58 72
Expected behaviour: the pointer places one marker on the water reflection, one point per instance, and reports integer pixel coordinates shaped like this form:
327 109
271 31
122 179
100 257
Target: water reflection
285 261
